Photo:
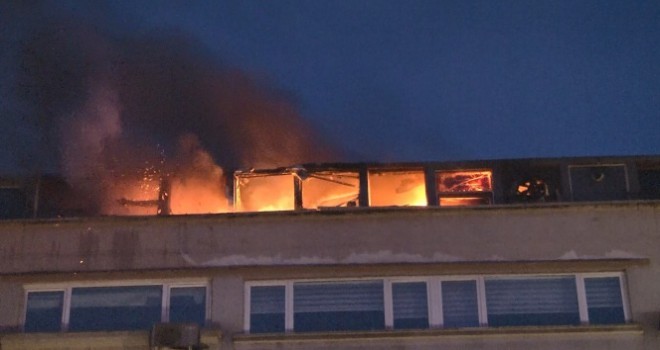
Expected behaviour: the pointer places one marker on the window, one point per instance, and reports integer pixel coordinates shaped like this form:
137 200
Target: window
44 311
534 301
330 189
603 182
410 305
267 309
604 300
338 306
113 308
464 188
264 192
460 306
188 305
402 188
435 302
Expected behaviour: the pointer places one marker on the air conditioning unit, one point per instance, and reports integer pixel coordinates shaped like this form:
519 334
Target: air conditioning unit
175 336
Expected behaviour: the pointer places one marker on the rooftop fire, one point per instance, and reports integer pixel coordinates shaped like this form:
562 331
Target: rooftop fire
205 189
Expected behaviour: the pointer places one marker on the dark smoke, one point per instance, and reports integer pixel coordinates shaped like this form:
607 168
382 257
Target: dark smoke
116 107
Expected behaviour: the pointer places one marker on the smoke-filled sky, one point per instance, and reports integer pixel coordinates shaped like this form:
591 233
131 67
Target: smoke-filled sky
370 80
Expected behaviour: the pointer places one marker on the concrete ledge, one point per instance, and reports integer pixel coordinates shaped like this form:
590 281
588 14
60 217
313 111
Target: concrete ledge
254 273
626 329
91 340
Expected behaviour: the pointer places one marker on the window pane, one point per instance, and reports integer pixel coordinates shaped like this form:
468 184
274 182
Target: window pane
402 188
464 181
460 306
330 189
264 192
115 308
539 301
410 305
267 309
604 300
44 312
338 306
188 305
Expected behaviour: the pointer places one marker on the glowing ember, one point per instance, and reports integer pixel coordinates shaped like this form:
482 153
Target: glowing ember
400 188
451 184
464 181
132 197
462 201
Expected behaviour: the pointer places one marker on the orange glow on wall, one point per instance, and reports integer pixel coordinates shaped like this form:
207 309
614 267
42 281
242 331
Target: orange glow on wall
397 188
462 201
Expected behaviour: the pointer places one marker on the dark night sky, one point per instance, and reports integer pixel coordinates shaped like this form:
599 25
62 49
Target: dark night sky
409 80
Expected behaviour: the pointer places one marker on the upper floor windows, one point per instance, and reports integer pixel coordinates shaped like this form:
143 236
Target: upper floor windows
436 302
112 308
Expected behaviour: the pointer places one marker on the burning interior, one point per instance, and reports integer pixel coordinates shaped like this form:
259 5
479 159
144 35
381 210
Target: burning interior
460 188
314 188
323 187
397 188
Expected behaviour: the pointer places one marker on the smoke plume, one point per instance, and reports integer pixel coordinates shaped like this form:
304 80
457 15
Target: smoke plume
125 113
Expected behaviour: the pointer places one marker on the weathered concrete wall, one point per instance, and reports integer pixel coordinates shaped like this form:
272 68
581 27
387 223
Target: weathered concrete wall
230 249
627 230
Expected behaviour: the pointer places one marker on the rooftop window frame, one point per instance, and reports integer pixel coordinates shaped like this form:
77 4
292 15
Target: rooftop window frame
570 167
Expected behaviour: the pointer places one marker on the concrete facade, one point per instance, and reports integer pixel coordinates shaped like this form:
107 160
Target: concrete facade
229 250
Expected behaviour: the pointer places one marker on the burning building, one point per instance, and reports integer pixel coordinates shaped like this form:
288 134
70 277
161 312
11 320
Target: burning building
188 211
501 254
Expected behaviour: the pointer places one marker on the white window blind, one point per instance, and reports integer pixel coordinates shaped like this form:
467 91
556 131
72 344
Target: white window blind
355 305
460 305
537 301
604 300
410 305
267 308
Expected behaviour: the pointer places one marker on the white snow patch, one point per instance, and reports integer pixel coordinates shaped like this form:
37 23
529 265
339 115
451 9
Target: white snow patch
612 254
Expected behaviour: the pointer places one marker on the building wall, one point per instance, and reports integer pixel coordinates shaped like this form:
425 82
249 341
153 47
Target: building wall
232 249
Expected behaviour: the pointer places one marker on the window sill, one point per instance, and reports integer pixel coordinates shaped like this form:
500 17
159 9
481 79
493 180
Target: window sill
629 329
82 340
